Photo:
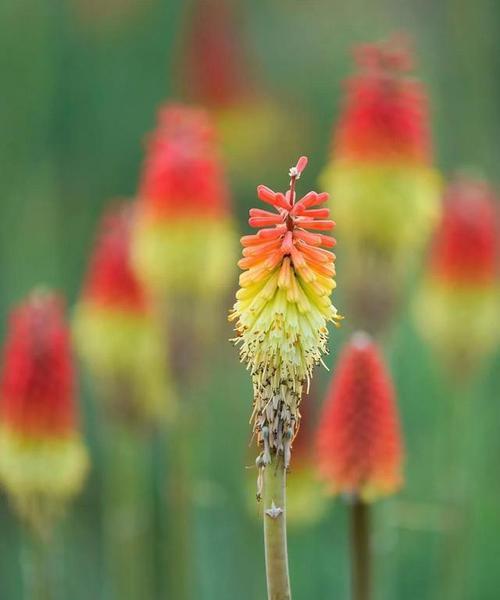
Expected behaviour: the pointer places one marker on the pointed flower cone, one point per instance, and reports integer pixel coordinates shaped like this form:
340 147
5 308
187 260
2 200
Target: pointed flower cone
43 461
116 333
358 442
283 307
457 307
380 173
184 238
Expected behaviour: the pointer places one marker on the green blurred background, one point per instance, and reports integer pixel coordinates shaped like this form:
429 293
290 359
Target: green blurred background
81 83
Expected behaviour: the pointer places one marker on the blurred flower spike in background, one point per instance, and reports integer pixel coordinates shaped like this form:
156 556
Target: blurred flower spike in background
283 307
359 448
43 461
457 308
184 242
217 69
116 332
385 188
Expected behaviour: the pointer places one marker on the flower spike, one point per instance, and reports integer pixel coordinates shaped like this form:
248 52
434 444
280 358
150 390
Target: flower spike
183 188
43 459
115 330
456 306
359 447
381 174
282 309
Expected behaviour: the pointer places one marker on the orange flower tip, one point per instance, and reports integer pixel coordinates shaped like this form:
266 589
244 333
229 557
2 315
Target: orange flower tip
275 199
358 441
296 172
282 308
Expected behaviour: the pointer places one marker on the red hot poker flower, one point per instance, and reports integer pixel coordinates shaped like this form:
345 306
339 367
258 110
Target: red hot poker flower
456 307
111 281
283 307
184 235
116 332
386 113
359 440
182 175
37 385
465 244
43 461
216 66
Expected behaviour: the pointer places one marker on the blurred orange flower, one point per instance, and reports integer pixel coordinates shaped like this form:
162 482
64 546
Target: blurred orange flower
358 439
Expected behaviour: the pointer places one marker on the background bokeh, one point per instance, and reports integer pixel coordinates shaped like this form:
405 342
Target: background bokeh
81 83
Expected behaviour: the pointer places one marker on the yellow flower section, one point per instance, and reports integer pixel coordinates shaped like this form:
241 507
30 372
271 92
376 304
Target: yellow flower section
179 256
392 208
461 323
124 351
41 474
282 321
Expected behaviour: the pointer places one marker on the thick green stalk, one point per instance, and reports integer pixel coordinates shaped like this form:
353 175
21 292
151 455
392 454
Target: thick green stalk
274 513
360 551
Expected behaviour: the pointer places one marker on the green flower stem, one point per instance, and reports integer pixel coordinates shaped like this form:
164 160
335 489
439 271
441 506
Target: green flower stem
274 514
360 551
128 513
179 509
457 462
38 575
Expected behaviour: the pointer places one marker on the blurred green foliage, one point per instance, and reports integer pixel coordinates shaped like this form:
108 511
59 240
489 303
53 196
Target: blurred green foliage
80 87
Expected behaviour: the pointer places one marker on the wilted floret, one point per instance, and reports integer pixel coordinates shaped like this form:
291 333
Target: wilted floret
43 461
283 307
358 440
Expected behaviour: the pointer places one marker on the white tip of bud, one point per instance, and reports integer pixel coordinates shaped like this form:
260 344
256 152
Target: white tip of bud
361 340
